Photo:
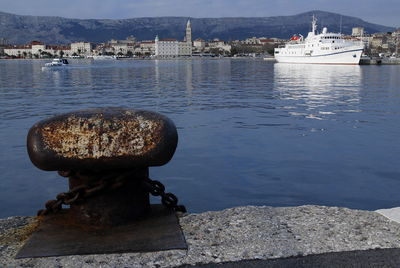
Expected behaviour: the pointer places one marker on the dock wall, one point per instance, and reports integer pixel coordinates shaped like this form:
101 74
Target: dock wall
234 235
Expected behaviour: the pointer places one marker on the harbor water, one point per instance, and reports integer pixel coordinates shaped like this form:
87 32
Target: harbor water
251 132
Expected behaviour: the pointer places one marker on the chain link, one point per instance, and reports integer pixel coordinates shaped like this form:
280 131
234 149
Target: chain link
108 182
80 192
169 200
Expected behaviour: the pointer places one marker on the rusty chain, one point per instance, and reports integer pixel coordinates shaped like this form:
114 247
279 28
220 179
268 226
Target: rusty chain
169 200
80 192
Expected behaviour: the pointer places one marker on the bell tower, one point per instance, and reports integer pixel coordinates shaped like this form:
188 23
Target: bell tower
188 36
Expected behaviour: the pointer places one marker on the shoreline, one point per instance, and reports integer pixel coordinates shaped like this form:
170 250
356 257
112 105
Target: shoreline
146 58
237 234
363 62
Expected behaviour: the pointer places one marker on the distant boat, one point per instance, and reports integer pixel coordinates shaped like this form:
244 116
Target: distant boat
323 48
56 64
104 57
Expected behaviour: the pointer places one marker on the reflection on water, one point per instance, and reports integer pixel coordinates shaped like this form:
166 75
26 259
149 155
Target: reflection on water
250 132
318 86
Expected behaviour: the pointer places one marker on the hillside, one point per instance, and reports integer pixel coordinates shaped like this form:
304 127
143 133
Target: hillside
57 30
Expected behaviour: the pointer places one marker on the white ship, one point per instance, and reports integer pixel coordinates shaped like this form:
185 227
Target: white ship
323 48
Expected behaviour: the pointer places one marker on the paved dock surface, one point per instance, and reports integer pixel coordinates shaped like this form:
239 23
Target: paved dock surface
364 259
306 236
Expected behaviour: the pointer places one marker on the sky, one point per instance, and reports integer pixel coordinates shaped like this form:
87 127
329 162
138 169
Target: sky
384 12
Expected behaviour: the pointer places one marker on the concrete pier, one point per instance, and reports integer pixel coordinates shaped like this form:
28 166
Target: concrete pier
241 236
380 61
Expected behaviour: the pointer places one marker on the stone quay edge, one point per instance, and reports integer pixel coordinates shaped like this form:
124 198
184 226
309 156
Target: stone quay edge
233 235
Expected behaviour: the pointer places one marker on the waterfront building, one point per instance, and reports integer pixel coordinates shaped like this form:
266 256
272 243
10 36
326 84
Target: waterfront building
267 41
382 44
58 51
116 47
357 31
18 51
396 36
103 49
129 40
37 49
120 48
220 45
146 48
199 44
252 41
81 48
379 40
167 48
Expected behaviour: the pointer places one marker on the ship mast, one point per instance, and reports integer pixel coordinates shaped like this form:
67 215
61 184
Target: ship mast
314 24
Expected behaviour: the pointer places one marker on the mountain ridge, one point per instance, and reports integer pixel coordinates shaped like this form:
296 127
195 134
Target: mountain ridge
20 29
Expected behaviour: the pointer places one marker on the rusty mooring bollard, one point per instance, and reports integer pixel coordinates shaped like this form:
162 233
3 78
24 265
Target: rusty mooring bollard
106 154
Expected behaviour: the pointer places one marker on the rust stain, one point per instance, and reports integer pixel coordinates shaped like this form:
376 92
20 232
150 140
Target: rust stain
96 137
20 234
67 219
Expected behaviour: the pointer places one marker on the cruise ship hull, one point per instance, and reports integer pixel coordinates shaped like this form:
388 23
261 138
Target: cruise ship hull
343 57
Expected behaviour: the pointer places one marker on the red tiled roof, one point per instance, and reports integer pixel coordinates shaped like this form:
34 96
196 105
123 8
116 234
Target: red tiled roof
36 43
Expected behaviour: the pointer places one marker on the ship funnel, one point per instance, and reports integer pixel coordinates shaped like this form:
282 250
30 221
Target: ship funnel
324 30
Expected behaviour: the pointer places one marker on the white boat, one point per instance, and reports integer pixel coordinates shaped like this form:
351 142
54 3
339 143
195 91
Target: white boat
323 48
56 64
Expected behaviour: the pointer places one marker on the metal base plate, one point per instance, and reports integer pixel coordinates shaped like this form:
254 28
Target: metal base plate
56 236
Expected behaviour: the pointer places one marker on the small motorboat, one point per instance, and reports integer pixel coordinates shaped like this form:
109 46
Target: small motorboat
56 64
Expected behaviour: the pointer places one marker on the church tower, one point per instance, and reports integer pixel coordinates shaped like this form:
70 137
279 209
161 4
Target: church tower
188 36
157 46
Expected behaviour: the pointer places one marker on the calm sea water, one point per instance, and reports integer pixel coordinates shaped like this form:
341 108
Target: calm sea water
250 132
